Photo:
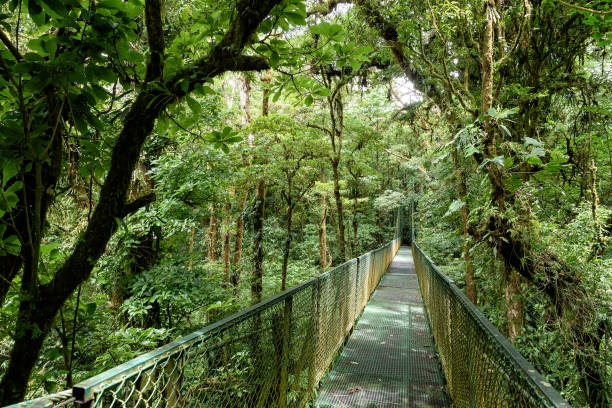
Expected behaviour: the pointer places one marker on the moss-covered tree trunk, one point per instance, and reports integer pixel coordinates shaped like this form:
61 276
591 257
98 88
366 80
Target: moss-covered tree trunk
258 222
470 286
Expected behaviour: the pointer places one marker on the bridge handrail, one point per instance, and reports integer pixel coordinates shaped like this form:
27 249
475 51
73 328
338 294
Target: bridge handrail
330 303
478 374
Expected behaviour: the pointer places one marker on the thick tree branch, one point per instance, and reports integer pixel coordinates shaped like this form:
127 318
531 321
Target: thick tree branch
209 67
326 130
391 36
137 204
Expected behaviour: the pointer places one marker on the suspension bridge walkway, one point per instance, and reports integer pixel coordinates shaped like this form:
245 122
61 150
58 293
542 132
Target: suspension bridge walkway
381 330
389 360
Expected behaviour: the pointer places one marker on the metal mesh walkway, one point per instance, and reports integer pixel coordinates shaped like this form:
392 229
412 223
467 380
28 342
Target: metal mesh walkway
390 359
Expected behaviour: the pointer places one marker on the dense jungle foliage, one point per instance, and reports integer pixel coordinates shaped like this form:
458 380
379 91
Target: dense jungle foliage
166 163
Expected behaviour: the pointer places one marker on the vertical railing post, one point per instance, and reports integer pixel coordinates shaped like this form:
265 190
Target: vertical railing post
284 360
174 373
316 328
412 233
356 315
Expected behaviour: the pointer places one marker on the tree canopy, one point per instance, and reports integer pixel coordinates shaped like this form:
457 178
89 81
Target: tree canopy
166 163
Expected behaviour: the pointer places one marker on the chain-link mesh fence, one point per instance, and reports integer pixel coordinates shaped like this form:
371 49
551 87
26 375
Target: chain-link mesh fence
272 354
482 368
389 360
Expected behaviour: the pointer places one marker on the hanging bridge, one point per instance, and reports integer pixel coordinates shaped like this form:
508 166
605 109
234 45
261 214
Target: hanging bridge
386 329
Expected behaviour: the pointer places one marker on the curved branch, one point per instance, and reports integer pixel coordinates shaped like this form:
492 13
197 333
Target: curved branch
9 45
585 9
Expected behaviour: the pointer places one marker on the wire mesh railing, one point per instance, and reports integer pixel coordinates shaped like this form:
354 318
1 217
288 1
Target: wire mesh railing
272 354
481 367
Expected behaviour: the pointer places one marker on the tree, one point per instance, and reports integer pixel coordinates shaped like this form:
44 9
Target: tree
40 164
295 170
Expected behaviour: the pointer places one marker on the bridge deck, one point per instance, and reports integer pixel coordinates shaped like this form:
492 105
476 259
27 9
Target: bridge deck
390 359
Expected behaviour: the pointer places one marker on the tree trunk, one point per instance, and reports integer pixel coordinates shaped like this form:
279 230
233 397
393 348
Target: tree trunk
542 267
225 252
258 223
514 304
324 260
339 210
213 235
191 243
322 230
287 248
600 242
355 227
238 240
470 288
245 106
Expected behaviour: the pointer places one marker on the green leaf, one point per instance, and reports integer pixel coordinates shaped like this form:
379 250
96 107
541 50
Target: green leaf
16 186
322 92
203 89
337 33
38 19
308 101
46 249
295 18
113 4
276 96
323 28
185 85
470 150
99 93
227 131
532 142
34 7
9 200
362 50
90 307
534 159
36 12
499 160
56 8
193 105
355 64
9 170
454 206
274 58
505 129
162 125
11 244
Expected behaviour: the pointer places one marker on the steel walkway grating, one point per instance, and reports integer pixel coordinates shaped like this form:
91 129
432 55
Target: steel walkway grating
390 360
